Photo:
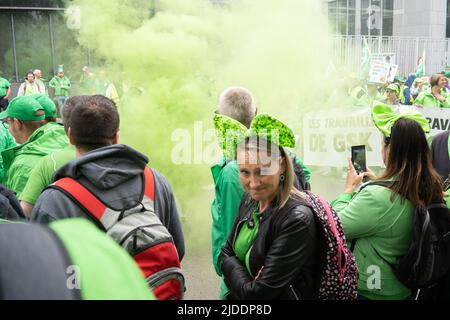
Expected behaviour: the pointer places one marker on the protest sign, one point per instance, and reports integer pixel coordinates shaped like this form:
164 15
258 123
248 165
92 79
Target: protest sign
329 135
379 72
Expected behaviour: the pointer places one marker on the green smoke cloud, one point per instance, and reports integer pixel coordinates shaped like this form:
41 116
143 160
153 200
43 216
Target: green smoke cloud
178 55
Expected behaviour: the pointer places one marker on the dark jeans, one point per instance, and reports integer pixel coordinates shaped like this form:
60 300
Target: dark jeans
3 104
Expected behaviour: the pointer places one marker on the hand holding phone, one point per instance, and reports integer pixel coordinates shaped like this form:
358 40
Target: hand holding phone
359 158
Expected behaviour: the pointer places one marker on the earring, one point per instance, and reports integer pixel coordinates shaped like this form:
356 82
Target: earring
282 178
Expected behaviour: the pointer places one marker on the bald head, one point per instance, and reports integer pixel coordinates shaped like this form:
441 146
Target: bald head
239 104
37 73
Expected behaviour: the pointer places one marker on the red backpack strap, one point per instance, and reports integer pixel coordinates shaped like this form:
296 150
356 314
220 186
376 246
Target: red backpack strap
82 196
149 183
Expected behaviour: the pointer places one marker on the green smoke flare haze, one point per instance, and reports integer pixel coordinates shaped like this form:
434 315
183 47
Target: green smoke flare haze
178 55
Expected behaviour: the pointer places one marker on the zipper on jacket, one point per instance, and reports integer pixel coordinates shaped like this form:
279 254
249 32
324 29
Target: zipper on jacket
237 229
294 293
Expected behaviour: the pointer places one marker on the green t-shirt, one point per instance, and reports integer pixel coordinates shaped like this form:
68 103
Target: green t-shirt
242 245
4 85
106 271
41 175
246 237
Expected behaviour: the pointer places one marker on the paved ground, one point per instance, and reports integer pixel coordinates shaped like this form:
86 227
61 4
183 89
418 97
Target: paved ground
202 283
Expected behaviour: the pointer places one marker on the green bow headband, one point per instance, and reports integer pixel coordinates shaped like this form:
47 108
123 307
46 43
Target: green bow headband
384 118
231 132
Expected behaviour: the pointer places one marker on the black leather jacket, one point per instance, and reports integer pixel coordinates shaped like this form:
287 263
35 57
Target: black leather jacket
284 258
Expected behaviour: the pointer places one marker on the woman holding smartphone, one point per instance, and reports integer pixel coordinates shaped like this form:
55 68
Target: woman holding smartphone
381 217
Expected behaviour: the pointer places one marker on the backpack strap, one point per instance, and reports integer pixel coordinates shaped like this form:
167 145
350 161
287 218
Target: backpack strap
149 190
334 230
89 203
85 199
384 183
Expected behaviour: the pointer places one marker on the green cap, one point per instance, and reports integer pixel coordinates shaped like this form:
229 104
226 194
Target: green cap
392 87
46 103
23 108
60 68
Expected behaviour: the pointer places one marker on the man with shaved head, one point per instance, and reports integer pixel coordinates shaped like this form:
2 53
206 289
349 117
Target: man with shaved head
38 79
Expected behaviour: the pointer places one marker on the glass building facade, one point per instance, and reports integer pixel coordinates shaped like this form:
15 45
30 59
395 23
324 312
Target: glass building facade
362 17
36 35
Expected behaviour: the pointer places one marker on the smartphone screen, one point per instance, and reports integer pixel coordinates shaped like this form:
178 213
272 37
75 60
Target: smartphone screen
359 158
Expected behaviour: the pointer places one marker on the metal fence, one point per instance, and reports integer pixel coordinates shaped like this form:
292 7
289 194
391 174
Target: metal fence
407 50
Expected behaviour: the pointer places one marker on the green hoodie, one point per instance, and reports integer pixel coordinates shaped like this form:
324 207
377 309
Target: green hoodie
20 160
6 142
427 100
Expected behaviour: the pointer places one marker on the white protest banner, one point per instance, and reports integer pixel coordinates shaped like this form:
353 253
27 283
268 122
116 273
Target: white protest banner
438 118
329 136
379 72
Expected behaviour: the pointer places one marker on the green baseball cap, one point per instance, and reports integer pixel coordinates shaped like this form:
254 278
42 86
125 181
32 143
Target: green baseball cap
392 87
23 108
46 103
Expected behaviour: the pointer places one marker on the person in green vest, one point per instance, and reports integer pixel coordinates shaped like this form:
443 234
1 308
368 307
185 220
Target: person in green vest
61 84
26 122
41 175
436 97
379 220
68 260
29 87
5 92
88 82
39 81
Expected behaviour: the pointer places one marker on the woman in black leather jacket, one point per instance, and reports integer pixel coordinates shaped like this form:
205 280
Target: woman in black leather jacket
272 250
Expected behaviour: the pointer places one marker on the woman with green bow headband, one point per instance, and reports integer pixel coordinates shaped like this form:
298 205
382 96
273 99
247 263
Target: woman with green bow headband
380 214
272 249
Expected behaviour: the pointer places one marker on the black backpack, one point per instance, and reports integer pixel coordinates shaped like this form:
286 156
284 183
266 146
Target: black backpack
10 208
426 266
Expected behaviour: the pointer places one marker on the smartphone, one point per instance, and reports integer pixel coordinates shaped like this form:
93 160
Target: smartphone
359 158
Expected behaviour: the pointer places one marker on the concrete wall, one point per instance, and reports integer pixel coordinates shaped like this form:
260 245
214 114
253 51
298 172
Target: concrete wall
420 18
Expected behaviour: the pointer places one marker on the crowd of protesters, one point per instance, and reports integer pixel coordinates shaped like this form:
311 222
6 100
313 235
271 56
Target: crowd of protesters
72 196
